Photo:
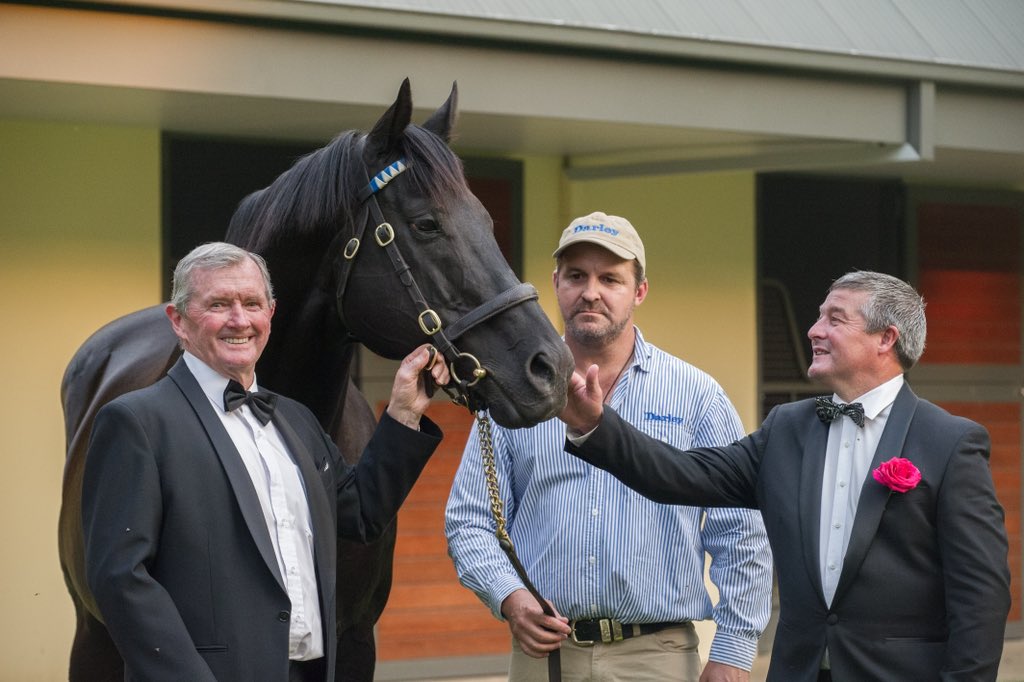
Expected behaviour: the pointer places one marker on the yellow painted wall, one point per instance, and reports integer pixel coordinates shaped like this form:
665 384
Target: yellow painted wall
79 245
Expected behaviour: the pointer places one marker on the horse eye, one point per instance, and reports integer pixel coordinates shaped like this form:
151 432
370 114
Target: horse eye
425 225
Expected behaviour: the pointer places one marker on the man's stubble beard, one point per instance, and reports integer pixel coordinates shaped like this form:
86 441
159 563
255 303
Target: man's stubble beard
595 338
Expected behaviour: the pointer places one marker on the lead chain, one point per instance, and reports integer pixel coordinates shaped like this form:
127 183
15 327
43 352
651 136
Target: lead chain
483 424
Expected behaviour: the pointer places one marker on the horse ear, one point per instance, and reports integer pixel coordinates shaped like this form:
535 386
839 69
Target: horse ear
387 132
442 121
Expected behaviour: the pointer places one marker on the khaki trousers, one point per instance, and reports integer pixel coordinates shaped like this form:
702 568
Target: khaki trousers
669 655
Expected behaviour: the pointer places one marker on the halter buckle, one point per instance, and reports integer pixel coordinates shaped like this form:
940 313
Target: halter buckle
434 320
384 234
351 248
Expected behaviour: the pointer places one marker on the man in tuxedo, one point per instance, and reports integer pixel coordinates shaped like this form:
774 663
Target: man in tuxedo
210 507
889 542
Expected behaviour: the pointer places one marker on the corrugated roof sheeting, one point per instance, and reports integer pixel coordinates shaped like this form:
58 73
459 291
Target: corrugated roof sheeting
976 33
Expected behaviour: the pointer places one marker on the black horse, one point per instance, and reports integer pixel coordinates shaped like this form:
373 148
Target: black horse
389 260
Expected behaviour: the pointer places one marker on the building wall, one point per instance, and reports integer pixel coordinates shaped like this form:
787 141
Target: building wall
79 245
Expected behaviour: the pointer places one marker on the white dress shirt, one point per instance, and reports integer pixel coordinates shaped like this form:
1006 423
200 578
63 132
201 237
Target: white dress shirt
282 496
848 458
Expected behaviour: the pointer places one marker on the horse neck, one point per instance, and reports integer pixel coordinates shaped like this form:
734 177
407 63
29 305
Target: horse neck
309 355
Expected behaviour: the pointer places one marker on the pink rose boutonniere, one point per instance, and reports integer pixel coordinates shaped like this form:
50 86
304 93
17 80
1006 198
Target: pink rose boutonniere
898 474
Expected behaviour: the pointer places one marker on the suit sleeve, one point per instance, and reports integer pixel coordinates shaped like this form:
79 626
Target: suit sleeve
704 477
121 517
973 548
370 493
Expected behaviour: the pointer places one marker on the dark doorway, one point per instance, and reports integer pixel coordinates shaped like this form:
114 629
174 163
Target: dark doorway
811 230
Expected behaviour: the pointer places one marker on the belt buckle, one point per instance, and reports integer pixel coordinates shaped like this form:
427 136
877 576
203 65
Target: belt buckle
611 631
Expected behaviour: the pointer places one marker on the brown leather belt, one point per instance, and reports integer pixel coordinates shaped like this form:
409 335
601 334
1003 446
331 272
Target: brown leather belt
606 630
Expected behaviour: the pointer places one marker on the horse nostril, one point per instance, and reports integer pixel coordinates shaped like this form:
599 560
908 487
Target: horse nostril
541 369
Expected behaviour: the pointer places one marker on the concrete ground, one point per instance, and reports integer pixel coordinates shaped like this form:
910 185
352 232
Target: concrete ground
1010 670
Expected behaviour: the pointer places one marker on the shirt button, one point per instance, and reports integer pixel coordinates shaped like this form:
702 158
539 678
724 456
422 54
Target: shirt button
592 560
842 484
593 512
831 567
837 525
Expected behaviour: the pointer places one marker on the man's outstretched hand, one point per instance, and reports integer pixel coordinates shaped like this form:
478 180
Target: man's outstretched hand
585 403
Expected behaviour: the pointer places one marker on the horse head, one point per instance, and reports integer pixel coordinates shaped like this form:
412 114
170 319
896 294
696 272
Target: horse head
408 253
431 269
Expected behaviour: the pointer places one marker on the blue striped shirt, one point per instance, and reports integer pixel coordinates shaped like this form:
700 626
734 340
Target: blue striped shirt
594 547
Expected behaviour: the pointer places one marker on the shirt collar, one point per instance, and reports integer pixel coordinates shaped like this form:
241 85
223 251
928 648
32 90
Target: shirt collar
212 382
642 351
878 398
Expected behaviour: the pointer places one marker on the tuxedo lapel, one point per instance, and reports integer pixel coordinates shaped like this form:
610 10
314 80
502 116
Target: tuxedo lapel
316 496
811 473
238 476
874 496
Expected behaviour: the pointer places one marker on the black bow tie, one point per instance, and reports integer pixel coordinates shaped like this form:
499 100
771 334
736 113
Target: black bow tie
828 410
260 402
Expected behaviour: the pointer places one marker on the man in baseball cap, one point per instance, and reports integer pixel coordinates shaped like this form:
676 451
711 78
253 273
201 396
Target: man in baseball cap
580 532
610 231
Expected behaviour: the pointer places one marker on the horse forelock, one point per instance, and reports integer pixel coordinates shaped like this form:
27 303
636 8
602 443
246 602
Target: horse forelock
434 169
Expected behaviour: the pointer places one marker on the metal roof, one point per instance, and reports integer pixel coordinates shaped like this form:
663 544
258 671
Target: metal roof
985 34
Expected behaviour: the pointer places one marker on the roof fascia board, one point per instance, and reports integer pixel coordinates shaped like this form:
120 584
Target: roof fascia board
502 32
184 56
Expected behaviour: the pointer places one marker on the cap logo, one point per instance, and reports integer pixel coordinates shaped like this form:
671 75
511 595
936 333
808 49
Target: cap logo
600 227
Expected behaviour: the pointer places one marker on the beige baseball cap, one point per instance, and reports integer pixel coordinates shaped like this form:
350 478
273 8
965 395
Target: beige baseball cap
610 231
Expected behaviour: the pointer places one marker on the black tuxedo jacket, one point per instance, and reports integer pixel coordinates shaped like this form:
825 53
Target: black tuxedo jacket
924 588
177 551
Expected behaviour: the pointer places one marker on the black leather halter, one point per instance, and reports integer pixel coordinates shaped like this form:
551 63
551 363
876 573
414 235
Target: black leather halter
430 322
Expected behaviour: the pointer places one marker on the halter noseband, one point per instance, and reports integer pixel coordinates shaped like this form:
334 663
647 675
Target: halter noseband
429 321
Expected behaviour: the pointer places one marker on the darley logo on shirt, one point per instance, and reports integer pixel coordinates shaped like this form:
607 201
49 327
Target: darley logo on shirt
667 418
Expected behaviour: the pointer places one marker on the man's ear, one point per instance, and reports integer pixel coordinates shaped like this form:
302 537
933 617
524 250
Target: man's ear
887 341
175 317
641 292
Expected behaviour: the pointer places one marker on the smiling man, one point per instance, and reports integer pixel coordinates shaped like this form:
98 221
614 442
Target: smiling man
626 574
889 542
210 506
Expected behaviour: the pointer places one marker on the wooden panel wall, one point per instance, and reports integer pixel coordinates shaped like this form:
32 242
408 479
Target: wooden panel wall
1003 421
429 613
969 274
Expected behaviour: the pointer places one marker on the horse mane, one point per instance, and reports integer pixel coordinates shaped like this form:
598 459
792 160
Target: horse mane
321 190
